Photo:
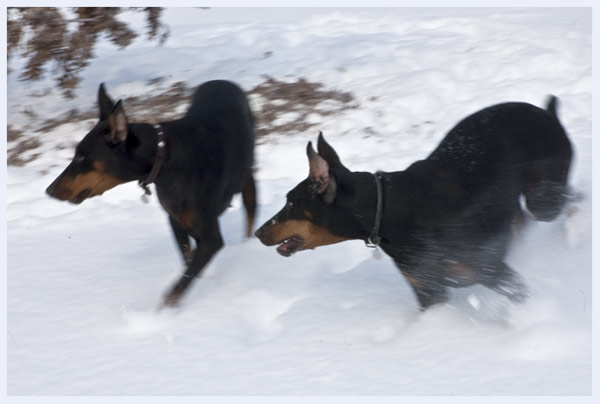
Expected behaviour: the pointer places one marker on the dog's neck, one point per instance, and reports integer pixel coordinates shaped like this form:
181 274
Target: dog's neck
142 147
357 192
399 193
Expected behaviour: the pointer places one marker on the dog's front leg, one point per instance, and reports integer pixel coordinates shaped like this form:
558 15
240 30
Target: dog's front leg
429 294
207 245
425 282
183 240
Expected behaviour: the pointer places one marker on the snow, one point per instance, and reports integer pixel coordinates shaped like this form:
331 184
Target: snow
84 282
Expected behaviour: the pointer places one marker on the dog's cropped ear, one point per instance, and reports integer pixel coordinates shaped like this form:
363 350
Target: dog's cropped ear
324 183
105 104
118 124
328 153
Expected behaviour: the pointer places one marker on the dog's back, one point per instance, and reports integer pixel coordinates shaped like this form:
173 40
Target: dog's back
221 105
510 149
215 138
220 101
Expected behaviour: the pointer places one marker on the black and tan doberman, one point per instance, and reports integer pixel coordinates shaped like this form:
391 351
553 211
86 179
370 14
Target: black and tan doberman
447 220
197 164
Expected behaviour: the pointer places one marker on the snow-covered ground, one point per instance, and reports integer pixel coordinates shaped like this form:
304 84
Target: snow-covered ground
84 281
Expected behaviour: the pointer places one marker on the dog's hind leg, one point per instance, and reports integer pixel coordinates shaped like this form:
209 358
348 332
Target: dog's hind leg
502 279
545 179
249 199
183 240
546 190
207 245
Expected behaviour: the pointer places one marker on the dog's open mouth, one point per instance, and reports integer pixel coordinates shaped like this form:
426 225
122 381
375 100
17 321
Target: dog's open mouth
81 196
290 246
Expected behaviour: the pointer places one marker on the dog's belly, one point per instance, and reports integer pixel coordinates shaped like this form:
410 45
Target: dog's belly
458 274
454 255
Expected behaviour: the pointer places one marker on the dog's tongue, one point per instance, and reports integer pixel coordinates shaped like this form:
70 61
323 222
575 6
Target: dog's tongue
289 246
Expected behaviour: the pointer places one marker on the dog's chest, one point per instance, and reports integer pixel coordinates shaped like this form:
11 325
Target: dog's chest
179 208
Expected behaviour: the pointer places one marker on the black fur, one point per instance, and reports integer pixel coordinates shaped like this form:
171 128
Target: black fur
208 159
447 220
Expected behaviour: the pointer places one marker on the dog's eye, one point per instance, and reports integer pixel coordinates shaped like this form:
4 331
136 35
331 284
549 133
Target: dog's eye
79 158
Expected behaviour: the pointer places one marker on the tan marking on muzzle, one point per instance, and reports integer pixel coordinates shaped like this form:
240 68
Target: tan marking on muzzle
313 236
97 181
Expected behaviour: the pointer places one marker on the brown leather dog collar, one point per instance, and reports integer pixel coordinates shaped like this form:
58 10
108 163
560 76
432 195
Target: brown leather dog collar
158 159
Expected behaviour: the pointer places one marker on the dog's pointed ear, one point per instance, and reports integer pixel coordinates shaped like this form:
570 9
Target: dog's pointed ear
328 153
324 183
118 124
105 103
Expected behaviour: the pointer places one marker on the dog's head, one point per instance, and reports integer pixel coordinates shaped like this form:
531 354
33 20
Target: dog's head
318 209
104 158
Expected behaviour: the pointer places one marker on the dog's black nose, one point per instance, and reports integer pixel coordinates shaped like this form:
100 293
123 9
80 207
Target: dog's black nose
56 191
261 234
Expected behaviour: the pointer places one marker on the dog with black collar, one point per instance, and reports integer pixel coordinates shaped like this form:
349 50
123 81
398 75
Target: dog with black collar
446 220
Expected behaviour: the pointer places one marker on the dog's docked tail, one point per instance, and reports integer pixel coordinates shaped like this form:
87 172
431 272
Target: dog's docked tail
551 105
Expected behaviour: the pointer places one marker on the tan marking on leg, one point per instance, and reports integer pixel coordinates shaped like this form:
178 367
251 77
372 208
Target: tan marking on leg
186 219
188 253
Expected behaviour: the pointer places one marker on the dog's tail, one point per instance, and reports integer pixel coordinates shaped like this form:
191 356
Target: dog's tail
551 105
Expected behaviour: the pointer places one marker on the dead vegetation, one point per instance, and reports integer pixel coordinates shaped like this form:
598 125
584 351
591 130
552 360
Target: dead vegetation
20 146
61 42
65 38
300 99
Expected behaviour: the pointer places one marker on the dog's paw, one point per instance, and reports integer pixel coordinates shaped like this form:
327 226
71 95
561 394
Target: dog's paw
171 300
516 290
